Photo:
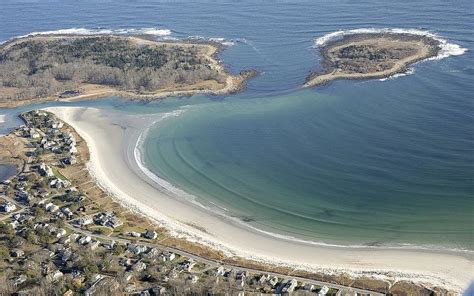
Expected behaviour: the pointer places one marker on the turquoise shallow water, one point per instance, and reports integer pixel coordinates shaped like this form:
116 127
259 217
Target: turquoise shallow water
355 162
324 167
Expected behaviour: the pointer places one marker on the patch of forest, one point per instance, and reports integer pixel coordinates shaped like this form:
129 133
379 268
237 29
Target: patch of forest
40 67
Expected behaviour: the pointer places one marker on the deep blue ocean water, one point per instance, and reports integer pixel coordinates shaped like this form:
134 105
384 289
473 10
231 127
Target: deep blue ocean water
365 162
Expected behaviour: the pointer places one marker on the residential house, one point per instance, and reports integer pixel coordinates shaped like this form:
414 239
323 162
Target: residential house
150 234
7 207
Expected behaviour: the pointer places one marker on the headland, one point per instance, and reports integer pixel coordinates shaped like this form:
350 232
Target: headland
43 68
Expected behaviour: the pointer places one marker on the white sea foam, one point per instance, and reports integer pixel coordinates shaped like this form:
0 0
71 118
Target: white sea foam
161 33
162 183
221 40
410 71
158 32
191 234
447 49
85 31
224 213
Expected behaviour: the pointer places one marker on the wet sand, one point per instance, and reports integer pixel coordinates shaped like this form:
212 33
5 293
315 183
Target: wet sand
111 141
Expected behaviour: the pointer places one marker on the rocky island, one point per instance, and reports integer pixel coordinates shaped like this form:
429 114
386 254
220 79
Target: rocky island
372 55
65 67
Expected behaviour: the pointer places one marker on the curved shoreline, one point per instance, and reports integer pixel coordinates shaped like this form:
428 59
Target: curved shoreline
108 163
210 49
431 47
136 163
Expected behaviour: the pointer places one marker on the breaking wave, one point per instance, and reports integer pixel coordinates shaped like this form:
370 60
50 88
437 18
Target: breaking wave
158 32
221 40
447 49
410 71
138 160
220 211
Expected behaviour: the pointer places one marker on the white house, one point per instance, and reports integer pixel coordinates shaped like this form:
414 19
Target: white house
151 234
60 232
324 290
134 234
167 256
7 207
84 240
50 207
85 221
289 286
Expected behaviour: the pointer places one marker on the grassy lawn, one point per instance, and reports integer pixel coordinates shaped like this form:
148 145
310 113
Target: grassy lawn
101 230
58 174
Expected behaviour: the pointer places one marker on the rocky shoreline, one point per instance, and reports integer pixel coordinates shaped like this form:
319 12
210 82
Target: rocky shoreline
352 56
197 61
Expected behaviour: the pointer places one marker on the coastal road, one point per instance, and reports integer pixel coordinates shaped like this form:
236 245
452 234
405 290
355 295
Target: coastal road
211 263
217 263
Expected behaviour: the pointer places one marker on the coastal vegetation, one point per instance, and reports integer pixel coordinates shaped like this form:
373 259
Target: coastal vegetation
50 243
58 66
377 55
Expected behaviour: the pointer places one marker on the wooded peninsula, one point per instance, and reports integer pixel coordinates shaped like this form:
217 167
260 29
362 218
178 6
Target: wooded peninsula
65 67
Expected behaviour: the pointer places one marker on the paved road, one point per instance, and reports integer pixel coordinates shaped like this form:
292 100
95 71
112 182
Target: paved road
210 262
217 263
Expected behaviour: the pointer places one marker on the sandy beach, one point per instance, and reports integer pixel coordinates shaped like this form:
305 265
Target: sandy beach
111 140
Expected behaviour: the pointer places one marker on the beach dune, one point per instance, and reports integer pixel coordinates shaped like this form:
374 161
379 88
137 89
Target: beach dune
112 162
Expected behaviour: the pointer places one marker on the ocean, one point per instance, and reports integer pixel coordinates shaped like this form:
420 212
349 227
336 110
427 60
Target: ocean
379 163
